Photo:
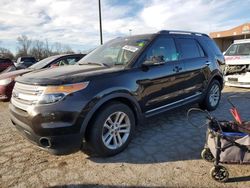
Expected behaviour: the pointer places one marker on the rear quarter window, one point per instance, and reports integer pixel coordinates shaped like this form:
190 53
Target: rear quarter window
212 46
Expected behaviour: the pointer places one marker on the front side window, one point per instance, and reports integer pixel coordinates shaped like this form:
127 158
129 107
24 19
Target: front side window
163 50
238 49
188 48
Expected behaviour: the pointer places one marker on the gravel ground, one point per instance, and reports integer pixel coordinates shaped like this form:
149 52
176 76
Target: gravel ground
164 153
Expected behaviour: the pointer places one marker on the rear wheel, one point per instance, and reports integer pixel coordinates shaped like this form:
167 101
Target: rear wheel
112 129
212 98
207 155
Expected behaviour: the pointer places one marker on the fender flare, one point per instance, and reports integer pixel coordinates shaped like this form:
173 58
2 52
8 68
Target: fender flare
105 99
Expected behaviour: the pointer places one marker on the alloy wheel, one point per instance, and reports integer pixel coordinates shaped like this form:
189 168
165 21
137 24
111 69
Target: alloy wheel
116 130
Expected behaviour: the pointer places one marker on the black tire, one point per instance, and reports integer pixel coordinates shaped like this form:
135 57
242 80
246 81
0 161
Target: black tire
219 173
207 155
207 103
97 129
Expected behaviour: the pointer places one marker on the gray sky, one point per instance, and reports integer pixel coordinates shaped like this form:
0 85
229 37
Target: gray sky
75 22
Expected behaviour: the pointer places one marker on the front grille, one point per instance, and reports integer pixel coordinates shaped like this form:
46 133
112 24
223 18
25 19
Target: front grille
232 69
233 79
24 96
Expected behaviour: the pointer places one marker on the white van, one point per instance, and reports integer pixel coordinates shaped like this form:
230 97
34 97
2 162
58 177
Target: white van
237 71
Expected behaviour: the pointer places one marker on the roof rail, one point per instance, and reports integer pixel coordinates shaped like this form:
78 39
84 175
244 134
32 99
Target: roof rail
181 32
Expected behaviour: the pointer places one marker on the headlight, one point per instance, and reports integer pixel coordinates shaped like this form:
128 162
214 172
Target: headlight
5 82
53 94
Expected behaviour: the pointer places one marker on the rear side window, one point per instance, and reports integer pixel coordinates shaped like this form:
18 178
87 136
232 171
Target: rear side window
189 48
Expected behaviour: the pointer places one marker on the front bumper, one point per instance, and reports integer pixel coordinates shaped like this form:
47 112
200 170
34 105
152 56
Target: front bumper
6 91
58 128
238 80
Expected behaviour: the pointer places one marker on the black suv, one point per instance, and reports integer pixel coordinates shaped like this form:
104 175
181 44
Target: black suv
102 98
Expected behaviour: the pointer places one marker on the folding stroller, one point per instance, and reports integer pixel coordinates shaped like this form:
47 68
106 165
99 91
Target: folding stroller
227 142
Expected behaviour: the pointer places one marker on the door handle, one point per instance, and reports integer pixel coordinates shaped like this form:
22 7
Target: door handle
177 69
208 63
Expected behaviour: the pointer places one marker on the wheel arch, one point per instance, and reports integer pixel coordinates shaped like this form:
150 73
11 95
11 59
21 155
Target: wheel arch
117 97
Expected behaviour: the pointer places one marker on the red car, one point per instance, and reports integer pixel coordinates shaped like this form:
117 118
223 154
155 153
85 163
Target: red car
7 79
5 63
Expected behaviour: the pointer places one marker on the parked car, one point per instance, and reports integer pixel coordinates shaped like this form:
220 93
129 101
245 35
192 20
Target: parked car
113 88
5 63
7 79
237 71
25 62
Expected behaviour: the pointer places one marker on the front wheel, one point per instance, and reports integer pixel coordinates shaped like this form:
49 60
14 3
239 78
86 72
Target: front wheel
219 173
112 129
213 95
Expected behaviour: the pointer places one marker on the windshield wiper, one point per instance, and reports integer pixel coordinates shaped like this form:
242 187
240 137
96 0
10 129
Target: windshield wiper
94 63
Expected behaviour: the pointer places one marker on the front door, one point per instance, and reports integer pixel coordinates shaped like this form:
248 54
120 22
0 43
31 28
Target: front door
160 84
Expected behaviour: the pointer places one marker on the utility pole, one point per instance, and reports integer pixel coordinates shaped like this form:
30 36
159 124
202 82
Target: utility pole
100 21
130 32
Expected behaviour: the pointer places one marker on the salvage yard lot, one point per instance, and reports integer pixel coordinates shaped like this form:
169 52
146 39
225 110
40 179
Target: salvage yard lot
164 153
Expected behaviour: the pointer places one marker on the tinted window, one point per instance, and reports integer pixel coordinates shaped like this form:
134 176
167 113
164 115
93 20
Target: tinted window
28 59
163 49
212 46
202 54
188 48
5 61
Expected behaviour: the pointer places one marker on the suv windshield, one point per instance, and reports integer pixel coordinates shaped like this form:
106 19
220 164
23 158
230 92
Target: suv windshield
238 49
119 51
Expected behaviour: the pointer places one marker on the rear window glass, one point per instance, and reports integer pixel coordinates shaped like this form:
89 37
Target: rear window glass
189 48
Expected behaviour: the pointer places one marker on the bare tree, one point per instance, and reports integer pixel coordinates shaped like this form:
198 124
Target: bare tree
24 45
62 49
47 49
6 53
37 50
40 49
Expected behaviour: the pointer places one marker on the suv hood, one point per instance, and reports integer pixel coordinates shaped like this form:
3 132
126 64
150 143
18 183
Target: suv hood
237 60
64 75
14 74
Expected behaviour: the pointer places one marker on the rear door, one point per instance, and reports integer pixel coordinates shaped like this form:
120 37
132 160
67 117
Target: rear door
195 63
